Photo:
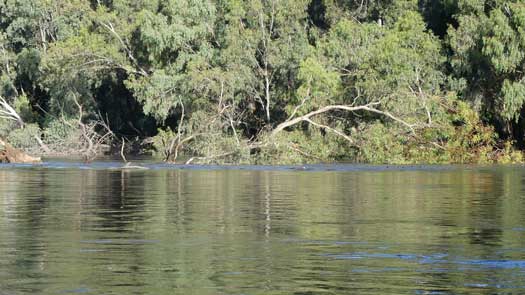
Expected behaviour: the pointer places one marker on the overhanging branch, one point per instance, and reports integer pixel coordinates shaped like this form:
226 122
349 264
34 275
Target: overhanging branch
368 107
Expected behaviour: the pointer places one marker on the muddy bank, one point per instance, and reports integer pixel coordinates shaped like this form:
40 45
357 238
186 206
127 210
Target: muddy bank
9 154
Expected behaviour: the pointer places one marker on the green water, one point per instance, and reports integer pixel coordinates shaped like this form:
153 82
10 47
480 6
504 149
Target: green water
355 230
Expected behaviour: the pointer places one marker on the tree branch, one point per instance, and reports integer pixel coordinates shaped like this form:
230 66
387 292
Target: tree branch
208 157
9 112
111 29
368 107
331 129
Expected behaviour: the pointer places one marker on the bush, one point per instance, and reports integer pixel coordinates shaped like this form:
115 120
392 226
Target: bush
379 144
6 126
61 136
304 146
24 138
162 143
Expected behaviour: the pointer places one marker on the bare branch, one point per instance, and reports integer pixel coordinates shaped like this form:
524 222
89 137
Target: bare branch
9 112
307 96
297 149
368 107
170 151
331 129
89 133
111 29
122 151
42 145
208 157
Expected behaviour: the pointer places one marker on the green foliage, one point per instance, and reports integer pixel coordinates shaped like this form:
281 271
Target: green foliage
513 98
174 41
369 11
471 141
488 46
298 147
318 87
213 142
380 145
6 126
164 142
220 78
23 108
459 137
24 138
61 135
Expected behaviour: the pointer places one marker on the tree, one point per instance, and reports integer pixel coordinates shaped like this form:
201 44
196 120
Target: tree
267 80
487 62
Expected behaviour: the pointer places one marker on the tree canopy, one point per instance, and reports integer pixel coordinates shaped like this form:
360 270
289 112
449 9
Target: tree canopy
268 81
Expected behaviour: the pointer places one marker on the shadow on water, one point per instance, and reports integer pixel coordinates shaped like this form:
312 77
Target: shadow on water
95 229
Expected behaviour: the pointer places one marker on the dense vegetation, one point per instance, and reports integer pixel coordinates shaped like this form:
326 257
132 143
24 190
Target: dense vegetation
267 81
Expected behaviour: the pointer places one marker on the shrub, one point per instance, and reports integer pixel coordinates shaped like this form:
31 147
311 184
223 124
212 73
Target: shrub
60 135
24 138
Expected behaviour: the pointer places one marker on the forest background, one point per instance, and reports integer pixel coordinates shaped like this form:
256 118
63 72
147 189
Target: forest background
266 81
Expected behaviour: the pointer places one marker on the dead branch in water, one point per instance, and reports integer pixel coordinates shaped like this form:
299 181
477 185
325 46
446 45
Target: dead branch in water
122 151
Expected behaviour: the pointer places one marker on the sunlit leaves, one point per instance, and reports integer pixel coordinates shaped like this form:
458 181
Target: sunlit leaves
179 26
400 66
158 93
501 44
319 86
513 99
248 66
488 49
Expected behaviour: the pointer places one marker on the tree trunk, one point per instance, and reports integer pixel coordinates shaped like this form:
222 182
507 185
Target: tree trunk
9 154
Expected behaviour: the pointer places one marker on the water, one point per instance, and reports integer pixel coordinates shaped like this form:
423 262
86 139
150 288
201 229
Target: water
90 229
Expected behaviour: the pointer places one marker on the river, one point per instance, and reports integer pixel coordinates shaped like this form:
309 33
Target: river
67 228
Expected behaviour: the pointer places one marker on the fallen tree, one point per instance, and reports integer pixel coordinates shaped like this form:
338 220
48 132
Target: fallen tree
208 142
307 118
83 135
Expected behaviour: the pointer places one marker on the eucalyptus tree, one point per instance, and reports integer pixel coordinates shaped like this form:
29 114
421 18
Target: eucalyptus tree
265 80
362 74
488 61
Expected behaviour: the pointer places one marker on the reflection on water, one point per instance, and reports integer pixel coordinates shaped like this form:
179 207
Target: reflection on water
65 230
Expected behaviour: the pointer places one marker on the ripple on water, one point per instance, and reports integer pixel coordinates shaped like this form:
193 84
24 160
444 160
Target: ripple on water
120 242
80 290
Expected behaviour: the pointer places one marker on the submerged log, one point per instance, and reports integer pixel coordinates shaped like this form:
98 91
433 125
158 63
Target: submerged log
9 154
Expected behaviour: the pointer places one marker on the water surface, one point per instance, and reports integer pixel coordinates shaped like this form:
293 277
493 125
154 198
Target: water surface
67 228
